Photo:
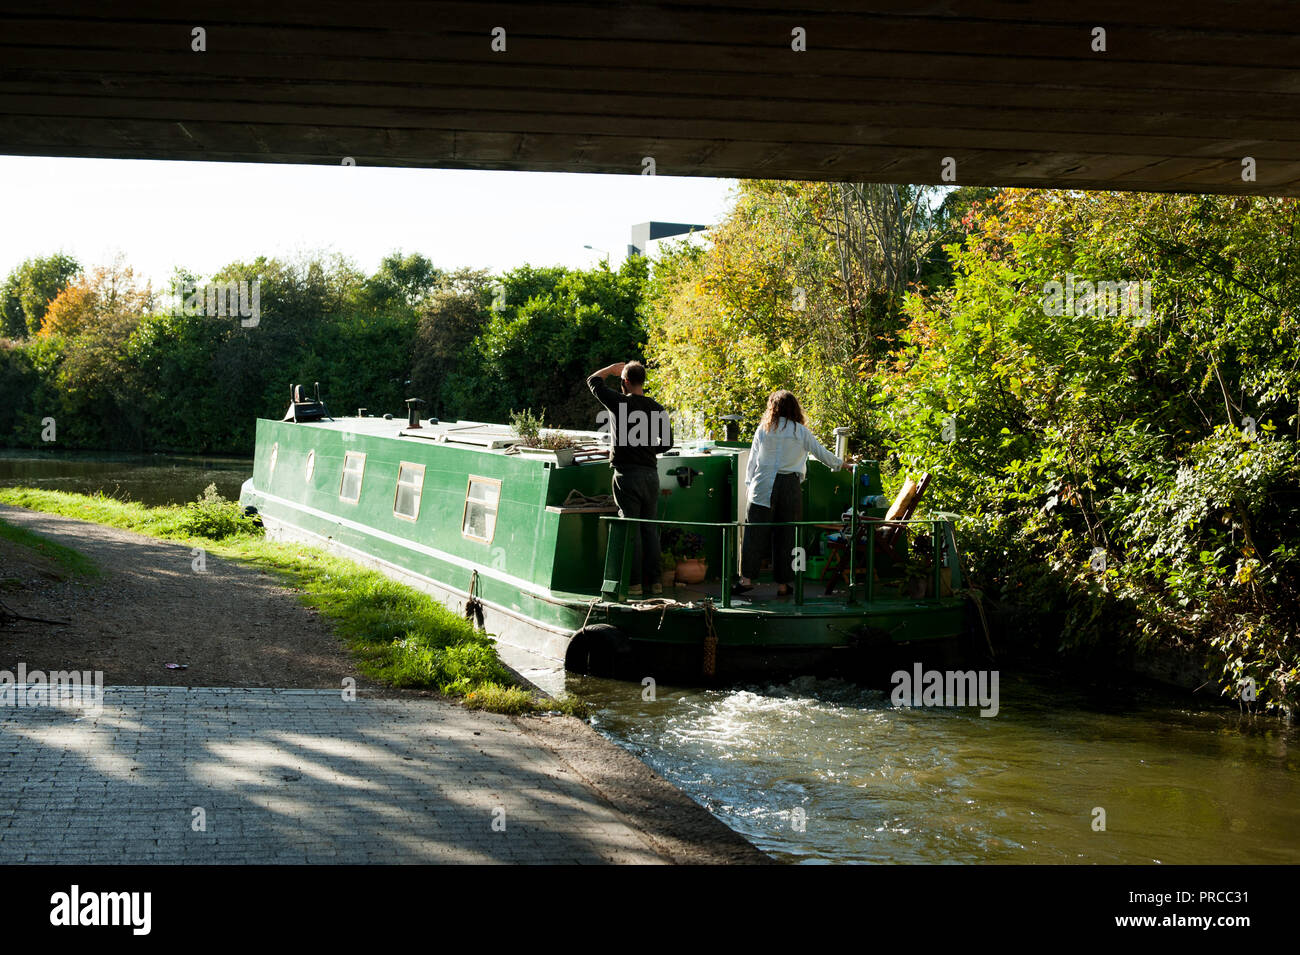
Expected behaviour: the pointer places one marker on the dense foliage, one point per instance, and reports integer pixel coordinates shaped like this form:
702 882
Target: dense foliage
543 332
801 288
1128 478
119 365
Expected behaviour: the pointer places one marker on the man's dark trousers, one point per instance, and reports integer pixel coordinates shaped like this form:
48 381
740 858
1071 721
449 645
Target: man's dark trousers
636 492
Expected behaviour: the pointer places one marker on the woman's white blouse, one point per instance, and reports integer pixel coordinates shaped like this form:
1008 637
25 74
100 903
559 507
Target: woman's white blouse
782 450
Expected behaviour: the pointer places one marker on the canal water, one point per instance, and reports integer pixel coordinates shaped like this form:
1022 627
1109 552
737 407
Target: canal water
149 479
816 770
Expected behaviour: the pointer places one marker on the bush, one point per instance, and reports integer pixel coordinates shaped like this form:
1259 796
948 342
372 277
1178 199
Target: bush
212 516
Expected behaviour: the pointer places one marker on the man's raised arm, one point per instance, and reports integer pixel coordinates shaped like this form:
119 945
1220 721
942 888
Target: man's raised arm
608 371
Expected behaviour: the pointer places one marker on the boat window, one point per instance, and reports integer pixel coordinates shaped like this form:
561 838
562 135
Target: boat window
275 456
311 465
354 466
410 482
480 522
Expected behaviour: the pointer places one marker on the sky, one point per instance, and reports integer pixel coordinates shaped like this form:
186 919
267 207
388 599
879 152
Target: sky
160 215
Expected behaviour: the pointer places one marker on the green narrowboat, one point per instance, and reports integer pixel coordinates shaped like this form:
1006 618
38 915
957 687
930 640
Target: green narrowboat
530 544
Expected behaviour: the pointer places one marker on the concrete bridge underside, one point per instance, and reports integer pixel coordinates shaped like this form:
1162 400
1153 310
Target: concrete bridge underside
1013 93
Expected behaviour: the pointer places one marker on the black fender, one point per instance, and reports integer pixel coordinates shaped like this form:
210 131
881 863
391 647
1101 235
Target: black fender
601 649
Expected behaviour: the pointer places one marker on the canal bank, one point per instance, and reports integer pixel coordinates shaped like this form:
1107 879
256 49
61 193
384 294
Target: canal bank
258 722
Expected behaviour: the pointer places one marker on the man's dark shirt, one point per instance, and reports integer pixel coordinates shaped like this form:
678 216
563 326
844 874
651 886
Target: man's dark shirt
646 435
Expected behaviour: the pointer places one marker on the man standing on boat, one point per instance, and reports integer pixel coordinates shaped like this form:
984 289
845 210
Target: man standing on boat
641 432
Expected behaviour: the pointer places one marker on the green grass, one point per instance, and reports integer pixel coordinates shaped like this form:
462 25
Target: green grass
515 700
72 562
398 635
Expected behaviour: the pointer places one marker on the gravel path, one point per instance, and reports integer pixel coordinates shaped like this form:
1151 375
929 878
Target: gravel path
231 625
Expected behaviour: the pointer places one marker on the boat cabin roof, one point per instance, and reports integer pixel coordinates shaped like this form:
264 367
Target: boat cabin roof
481 435
478 434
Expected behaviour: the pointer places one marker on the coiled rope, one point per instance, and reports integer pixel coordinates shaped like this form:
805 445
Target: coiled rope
577 499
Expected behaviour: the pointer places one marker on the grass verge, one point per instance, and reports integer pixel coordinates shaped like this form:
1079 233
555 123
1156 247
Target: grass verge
398 635
73 563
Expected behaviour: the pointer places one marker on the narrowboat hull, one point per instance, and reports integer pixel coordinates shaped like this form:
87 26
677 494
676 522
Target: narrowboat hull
537 576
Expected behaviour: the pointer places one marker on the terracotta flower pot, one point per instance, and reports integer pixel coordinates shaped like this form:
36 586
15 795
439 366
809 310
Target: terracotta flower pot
668 578
692 571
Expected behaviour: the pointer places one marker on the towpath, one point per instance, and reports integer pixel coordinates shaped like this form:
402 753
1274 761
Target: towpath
254 755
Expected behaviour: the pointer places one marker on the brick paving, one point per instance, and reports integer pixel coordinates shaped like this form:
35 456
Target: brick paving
291 776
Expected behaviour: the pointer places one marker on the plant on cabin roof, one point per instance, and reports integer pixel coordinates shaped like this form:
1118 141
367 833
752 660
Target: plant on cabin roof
528 426
556 441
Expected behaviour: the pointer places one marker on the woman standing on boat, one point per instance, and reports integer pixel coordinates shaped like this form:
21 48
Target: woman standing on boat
778 461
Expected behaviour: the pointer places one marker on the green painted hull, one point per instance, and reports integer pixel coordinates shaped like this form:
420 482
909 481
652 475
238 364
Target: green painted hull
538 578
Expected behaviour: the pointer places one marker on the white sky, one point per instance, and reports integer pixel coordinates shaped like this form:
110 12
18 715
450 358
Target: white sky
203 215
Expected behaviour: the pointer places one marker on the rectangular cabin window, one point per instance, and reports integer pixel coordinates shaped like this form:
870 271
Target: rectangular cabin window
410 482
480 522
354 467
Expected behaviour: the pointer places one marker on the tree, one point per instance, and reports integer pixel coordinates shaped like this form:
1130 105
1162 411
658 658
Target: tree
801 288
883 236
30 288
455 314
579 320
105 297
407 279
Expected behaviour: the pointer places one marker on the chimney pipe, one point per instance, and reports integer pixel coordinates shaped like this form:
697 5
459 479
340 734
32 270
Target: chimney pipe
413 413
842 441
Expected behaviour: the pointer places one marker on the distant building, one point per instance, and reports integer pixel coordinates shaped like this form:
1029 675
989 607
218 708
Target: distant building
644 232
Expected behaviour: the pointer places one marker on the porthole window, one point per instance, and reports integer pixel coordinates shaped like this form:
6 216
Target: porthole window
354 469
311 465
410 484
481 499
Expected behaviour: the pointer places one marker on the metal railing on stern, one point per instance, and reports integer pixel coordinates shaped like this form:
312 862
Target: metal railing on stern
619 552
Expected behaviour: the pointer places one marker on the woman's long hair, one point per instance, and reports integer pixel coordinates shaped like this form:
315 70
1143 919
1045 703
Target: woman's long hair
782 404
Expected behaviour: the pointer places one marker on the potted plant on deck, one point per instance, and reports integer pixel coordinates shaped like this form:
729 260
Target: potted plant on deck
688 549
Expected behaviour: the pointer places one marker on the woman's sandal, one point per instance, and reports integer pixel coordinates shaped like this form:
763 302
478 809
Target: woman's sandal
739 588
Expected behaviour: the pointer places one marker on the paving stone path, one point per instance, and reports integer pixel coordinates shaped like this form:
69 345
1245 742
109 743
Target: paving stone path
291 776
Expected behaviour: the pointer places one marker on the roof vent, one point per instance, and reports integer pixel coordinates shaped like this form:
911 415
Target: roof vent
413 406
